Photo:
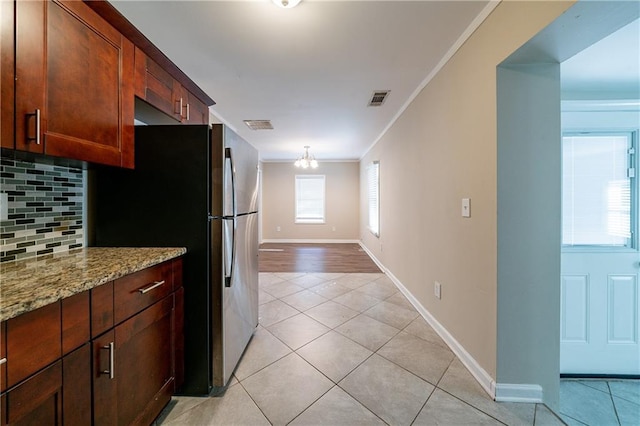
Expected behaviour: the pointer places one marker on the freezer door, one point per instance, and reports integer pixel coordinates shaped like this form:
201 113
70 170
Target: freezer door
240 299
241 173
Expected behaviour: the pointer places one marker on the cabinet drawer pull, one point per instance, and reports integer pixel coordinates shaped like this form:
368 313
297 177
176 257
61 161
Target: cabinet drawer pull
112 360
36 138
151 287
187 112
3 361
179 109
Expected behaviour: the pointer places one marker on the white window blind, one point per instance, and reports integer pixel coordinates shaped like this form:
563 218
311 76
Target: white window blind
373 185
596 190
310 198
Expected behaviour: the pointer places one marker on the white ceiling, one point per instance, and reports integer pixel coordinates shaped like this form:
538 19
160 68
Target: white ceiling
310 70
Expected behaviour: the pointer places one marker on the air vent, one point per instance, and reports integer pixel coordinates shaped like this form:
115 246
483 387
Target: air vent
259 124
378 97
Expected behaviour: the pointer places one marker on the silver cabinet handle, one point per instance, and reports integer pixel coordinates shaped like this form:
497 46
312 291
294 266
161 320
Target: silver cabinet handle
187 112
151 287
112 360
36 138
179 109
3 361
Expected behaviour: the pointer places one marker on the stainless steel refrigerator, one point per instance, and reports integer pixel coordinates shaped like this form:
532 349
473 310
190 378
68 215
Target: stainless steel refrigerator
193 187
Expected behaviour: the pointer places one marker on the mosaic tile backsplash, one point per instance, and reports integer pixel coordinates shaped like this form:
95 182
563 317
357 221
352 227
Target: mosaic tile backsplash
45 209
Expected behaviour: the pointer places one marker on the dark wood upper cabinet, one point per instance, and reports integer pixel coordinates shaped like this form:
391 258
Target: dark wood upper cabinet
158 88
74 91
7 57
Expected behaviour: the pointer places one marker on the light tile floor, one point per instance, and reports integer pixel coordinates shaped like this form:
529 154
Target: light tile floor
600 402
347 349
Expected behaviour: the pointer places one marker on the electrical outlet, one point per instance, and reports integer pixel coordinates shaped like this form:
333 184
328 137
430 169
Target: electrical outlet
278 228
333 229
437 290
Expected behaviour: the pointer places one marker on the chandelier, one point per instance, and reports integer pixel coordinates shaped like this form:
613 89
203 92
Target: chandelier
286 4
306 160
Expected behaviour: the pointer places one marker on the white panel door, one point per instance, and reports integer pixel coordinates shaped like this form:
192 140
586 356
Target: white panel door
600 261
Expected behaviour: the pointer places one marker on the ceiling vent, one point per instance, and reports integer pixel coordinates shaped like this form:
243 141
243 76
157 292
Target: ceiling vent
378 97
259 124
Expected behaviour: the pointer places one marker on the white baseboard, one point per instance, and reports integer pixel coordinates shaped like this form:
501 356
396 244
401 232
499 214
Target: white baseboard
479 373
518 393
311 241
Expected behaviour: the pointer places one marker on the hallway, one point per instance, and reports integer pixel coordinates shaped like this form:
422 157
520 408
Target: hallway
346 349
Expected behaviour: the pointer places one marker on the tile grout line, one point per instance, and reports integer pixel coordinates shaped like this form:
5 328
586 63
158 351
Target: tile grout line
613 402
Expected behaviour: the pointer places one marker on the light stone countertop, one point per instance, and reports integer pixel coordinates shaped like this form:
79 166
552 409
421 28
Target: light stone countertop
26 285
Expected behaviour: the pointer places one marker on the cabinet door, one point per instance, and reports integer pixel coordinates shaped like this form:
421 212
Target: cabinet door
193 111
143 363
74 84
3 356
105 396
36 401
198 112
7 52
76 395
178 339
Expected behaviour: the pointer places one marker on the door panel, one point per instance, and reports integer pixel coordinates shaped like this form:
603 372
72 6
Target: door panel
622 309
575 308
599 313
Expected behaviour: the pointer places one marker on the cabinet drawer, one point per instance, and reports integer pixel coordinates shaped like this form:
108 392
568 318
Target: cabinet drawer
139 290
27 354
101 309
75 321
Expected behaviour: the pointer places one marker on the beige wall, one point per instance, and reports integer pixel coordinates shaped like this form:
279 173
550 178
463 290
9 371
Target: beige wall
342 188
442 149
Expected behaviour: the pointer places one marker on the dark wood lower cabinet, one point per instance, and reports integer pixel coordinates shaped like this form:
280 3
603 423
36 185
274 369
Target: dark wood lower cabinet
105 400
139 353
123 375
143 366
36 401
76 380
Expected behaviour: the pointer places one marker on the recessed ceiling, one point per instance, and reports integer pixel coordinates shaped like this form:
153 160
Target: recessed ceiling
609 68
310 70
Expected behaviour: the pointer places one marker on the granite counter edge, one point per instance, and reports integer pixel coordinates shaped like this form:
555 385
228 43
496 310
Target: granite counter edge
25 306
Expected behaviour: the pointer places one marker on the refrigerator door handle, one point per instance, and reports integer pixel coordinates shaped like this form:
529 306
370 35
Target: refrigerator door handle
229 266
228 276
228 155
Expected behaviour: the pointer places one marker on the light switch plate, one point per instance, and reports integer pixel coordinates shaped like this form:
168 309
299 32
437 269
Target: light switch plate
4 206
466 207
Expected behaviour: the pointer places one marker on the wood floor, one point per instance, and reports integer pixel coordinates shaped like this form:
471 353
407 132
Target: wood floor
314 258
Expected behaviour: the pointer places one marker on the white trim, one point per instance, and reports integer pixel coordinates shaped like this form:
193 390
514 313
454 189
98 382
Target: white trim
320 161
452 51
303 241
518 393
481 376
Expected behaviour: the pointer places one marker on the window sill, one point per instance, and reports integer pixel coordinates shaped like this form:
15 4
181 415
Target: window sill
310 221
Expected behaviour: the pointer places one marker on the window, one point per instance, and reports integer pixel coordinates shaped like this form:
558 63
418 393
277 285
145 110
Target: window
597 189
309 198
373 184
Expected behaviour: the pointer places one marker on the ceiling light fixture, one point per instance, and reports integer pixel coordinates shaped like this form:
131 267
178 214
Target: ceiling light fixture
306 160
286 4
